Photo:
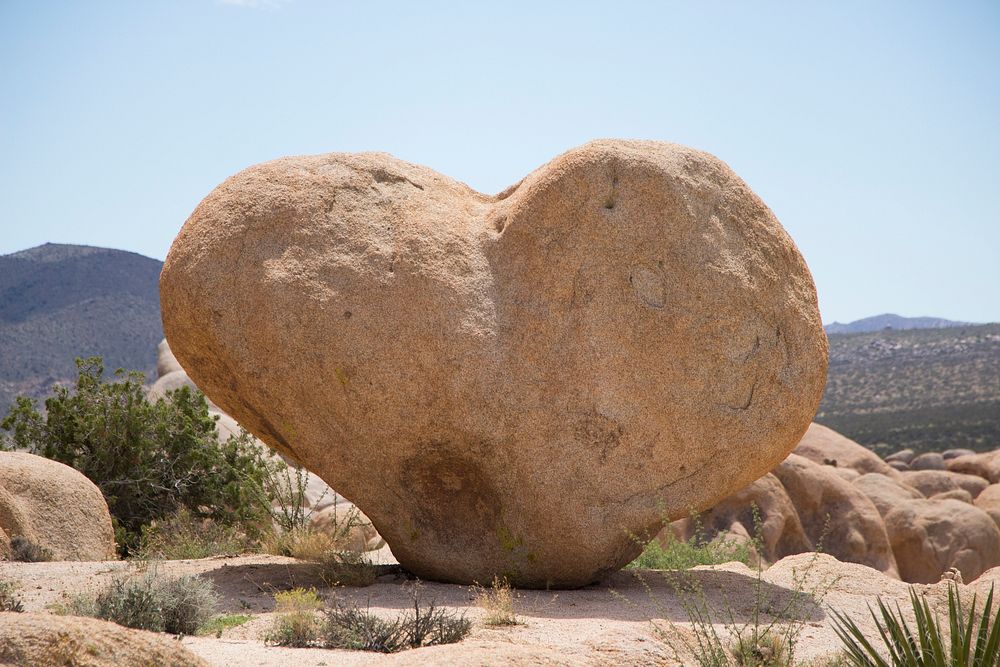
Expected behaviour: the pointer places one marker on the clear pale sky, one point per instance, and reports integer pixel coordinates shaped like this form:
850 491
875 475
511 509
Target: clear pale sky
872 129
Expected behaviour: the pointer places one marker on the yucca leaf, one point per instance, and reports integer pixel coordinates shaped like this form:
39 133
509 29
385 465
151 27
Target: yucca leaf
858 647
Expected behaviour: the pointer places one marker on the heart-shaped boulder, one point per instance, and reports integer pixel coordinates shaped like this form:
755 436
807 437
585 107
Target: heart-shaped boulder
520 384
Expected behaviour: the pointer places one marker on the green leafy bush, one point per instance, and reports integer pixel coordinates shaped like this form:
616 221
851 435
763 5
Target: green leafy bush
924 644
296 624
148 459
678 554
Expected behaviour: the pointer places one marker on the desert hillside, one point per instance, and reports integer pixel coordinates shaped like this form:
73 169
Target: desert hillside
927 389
58 302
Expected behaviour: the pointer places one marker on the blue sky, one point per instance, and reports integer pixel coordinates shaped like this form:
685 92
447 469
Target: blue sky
871 129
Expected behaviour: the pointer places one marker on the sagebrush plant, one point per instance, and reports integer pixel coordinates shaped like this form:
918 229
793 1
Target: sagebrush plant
296 625
24 550
349 627
9 599
149 459
147 601
964 643
497 601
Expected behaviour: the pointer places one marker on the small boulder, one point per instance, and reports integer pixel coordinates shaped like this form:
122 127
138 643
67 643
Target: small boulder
985 465
930 536
48 640
950 454
352 529
54 506
955 494
885 493
836 514
825 446
989 502
928 461
903 455
899 465
933 482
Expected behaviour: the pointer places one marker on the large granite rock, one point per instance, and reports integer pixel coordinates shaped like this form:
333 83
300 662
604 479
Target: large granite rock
508 384
54 506
825 446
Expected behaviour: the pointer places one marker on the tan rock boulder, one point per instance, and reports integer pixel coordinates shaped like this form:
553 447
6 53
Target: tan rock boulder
949 454
827 447
933 482
353 530
836 514
954 494
928 461
781 531
930 536
47 640
985 465
903 455
166 362
53 506
511 383
989 502
885 493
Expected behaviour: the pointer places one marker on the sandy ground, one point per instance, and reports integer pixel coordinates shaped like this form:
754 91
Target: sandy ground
613 623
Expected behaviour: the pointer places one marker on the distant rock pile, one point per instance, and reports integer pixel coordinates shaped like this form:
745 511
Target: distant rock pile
507 385
326 508
914 517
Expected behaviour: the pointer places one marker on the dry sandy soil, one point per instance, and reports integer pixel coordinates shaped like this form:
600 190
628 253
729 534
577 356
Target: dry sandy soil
607 624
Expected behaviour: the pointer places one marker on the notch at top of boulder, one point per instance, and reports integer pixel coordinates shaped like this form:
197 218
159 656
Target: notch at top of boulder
513 384
825 446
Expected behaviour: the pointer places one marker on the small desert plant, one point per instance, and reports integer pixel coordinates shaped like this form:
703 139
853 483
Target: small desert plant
302 543
9 600
188 603
185 536
925 644
767 639
349 627
24 550
217 624
346 568
296 625
683 555
497 601
147 602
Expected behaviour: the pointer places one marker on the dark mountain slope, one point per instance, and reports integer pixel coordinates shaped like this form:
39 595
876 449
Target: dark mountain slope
58 302
890 321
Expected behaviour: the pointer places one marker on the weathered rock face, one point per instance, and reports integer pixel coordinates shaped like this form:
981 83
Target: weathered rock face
885 493
54 506
509 384
930 536
836 514
932 482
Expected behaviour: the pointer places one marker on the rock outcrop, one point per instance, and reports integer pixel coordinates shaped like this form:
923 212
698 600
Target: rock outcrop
505 384
931 536
36 640
884 492
827 447
53 506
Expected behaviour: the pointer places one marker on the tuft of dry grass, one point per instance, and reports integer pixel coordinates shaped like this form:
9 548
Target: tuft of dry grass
497 601
297 624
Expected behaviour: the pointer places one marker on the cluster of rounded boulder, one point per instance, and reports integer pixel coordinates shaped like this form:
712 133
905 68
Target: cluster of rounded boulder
916 518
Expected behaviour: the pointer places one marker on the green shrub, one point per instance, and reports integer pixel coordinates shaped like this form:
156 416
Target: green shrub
148 459
24 550
683 555
924 644
178 605
296 625
9 600
217 624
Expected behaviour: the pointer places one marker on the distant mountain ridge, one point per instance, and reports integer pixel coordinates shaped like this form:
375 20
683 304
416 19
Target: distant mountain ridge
60 301
891 321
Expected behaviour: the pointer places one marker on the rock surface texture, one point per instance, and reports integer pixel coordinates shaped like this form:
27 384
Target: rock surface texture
504 384
54 506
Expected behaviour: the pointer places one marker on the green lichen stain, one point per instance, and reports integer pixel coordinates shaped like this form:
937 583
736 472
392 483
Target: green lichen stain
532 558
341 377
507 541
